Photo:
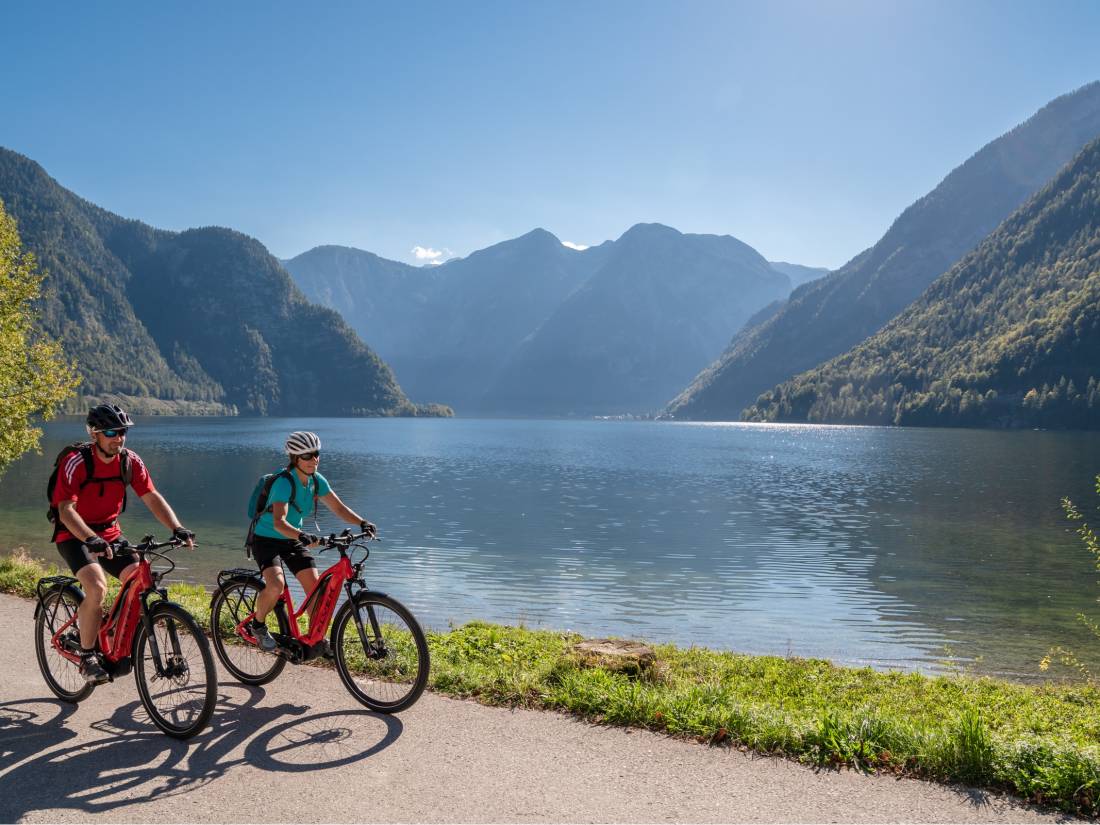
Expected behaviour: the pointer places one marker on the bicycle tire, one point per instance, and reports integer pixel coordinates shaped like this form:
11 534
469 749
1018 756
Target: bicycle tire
181 717
246 662
391 676
66 683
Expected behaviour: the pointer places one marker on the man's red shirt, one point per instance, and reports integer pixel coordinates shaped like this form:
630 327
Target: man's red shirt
98 503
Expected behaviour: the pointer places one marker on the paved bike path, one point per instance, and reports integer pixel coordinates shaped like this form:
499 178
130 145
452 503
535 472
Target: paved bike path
301 750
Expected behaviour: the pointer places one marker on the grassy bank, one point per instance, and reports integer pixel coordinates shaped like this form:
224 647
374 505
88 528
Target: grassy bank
1039 742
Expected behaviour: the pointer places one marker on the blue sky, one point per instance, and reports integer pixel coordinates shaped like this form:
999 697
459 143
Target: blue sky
802 128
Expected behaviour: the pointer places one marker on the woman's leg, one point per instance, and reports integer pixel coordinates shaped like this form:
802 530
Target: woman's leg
273 589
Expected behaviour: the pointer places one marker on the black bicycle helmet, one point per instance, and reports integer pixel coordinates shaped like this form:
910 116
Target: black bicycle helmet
108 417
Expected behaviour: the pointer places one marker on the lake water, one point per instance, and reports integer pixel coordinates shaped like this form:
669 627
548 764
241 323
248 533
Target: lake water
915 548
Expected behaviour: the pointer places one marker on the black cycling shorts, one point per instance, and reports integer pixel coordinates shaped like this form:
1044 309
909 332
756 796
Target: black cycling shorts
267 553
76 555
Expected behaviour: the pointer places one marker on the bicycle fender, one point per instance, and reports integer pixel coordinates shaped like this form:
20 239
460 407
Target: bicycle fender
370 593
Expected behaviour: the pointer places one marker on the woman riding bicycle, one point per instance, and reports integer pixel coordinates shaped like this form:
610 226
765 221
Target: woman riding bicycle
278 532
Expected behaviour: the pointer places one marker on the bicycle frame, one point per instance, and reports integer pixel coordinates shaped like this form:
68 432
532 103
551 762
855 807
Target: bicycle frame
322 599
117 631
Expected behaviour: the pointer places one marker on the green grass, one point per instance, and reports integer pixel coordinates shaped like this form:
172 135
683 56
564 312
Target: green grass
1039 742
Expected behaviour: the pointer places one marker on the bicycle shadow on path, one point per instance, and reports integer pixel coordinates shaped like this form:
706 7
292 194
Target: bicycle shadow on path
30 726
135 763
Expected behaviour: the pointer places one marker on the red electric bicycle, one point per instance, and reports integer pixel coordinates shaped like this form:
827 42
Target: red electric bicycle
159 640
378 646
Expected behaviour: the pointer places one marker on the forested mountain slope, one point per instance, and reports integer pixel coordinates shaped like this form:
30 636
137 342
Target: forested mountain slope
206 318
825 317
1009 337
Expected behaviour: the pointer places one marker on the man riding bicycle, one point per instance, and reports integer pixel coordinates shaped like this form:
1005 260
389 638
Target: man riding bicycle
87 499
278 531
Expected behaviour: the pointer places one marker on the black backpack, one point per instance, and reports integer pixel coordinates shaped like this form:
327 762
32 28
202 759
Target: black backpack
257 504
125 474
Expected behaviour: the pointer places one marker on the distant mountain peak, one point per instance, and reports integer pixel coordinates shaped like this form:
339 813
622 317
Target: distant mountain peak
649 231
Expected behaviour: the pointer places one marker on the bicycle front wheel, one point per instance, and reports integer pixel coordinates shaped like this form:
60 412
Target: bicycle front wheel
232 604
385 668
175 677
62 676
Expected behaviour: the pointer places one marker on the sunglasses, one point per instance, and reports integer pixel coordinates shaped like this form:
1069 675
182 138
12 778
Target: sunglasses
114 433
310 456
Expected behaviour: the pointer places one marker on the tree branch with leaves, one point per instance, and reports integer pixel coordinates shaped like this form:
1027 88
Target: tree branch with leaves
1092 544
35 375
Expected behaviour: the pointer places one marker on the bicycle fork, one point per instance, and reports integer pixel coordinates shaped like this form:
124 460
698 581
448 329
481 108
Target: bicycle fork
373 651
154 643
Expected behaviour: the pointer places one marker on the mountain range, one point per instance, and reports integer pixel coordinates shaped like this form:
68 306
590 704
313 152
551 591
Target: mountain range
939 322
826 317
530 326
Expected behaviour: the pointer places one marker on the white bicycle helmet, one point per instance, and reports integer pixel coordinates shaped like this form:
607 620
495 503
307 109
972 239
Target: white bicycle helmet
300 443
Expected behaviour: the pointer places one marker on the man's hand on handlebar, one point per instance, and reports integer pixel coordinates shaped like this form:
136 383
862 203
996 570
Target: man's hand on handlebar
308 539
369 529
185 536
99 545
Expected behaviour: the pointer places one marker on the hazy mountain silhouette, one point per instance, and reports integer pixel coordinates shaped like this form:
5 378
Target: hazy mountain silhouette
661 305
530 326
448 329
798 273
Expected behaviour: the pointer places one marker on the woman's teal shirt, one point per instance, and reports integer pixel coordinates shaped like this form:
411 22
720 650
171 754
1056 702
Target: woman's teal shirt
302 507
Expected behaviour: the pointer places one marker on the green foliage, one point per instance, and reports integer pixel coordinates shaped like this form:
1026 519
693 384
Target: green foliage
1066 656
35 376
1041 742
1008 337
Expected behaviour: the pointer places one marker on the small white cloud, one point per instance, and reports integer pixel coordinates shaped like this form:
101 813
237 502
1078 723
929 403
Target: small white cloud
580 247
431 256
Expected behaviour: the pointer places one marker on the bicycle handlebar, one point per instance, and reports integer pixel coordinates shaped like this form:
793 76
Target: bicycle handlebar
148 544
345 539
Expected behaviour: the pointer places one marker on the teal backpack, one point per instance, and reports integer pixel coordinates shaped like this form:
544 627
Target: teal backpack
257 503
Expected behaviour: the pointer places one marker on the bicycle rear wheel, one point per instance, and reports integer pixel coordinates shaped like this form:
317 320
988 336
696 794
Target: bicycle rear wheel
390 671
62 676
231 606
179 695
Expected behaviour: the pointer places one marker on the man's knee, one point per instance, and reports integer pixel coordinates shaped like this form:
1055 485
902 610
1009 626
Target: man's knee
94 584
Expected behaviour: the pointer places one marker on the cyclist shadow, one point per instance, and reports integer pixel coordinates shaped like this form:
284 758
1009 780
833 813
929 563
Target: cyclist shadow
136 763
30 726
